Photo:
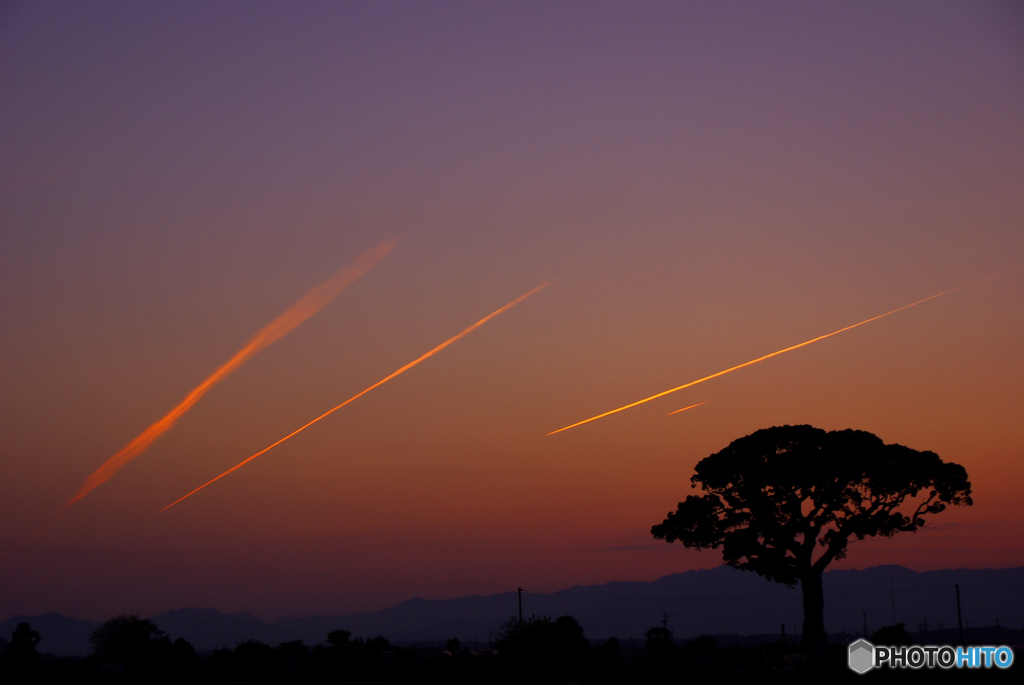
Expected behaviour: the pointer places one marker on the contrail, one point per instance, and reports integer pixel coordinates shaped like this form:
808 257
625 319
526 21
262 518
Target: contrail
683 409
769 356
315 300
379 383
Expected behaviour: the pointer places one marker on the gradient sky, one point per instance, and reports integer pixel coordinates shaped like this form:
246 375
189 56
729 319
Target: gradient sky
710 181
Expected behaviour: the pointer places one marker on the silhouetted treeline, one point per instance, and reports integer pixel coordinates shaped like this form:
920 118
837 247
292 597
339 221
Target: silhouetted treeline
131 649
20 655
539 645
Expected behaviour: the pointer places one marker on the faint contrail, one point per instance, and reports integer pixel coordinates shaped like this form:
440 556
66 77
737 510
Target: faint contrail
379 383
315 300
683 409
769 356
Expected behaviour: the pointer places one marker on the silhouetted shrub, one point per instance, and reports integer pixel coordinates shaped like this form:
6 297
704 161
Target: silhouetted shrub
252 655
373 649
292 655
661 648
183 655
222 660
892 635
699 653
608 655
540 644
21 654
130 642
339 639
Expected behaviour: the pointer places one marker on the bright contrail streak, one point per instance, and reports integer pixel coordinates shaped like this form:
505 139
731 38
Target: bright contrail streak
685 408
768 356
315 300
379 383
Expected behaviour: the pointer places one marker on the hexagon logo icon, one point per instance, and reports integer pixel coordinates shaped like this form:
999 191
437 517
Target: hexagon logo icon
861 656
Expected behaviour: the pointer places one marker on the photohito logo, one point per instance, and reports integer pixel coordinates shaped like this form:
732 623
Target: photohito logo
862 656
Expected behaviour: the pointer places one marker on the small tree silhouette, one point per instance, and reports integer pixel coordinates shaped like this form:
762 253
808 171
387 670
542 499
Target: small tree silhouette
774 497
609 655
344 647
339 639
292 655
253 656
128 640
540 644
661 648
21 653
896 636
375 647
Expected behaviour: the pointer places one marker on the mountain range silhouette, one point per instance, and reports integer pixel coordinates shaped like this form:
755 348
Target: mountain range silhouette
719 601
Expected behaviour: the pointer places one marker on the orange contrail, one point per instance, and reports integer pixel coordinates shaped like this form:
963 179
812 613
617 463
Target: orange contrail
685 408
379 383
315 300
769 356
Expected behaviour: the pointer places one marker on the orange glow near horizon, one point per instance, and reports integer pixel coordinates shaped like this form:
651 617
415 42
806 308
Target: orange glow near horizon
379 383
315 300
768 356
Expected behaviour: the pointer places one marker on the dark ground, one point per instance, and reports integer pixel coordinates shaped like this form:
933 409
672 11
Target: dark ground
767 664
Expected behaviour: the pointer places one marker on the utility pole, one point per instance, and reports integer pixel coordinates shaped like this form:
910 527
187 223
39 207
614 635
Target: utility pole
892 595
997 632
783 634
959 619
664 620
520 591
864 613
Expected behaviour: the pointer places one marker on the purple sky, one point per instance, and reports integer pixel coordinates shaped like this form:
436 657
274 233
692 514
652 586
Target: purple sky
710 181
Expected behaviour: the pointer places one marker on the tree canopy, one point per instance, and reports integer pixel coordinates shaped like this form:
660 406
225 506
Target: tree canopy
21 653
125 639
139 645
541 644
784 502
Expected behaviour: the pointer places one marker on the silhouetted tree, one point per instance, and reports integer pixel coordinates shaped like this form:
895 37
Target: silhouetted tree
222 661
183 654
339 639
128 640
171 657
540 643
375 647
608 655
253 655
321 654
453 646
699 652
344 648
661 648
895 635
21 653
292 655
774 497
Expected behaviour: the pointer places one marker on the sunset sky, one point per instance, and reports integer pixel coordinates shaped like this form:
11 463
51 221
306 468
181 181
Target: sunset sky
707 183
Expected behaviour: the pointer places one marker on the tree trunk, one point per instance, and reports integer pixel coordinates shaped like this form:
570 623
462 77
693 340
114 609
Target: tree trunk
814 609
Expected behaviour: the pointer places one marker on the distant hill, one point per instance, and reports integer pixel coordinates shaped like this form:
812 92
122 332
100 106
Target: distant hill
61 635
210 629
719 601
